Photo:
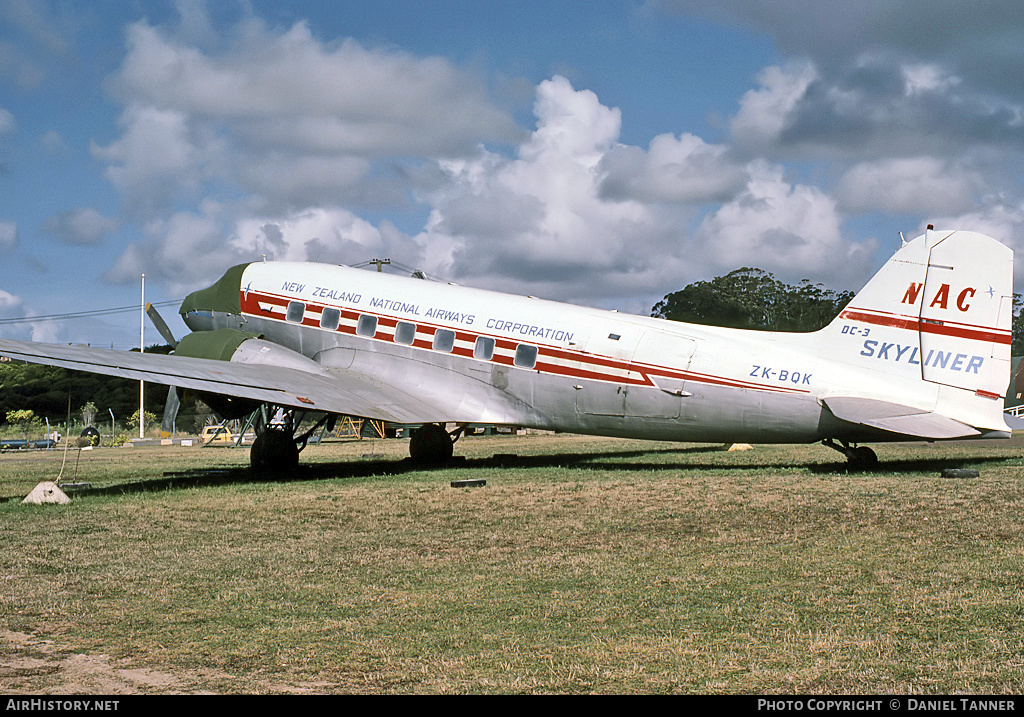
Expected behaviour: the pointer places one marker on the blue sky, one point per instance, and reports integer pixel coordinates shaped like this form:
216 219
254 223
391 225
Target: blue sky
602 153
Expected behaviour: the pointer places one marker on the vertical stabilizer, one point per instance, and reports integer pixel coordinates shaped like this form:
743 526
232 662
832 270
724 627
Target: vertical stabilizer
939 312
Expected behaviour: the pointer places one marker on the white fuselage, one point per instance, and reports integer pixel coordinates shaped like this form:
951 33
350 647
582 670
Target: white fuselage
486 357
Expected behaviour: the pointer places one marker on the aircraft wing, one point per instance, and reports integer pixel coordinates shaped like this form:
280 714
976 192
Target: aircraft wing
896 418
323 389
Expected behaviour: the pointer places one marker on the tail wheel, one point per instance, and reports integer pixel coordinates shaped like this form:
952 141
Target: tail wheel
858 458
863 458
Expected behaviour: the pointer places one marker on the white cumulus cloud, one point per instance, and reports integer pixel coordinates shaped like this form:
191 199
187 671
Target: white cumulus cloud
766 113
282 115
909 185
8 235
15 307
683 169
791 230
82 225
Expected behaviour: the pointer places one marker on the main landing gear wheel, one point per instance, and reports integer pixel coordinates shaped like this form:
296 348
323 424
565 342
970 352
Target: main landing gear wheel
430 444
858 458
274 453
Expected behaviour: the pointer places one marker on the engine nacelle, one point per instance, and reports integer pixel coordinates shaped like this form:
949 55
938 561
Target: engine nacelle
243 347
239 347
219 345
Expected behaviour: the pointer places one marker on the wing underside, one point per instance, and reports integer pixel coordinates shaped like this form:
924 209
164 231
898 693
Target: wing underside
325 389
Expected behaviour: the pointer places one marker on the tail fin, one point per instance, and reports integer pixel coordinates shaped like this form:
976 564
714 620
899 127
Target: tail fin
939 311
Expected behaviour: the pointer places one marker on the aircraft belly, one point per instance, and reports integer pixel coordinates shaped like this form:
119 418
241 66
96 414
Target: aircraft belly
715 414
726 414
659 403
605 399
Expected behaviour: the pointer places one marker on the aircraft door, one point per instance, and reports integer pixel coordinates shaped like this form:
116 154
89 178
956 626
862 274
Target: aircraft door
604 370
644 373
664 359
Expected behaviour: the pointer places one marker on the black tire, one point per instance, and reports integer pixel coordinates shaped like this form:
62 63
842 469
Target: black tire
430 444
274 453
960 473
863 459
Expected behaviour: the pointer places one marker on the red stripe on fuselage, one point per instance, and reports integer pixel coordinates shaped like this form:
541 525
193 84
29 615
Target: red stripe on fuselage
590 365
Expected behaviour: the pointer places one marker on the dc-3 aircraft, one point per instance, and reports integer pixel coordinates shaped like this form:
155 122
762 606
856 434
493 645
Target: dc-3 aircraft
921 353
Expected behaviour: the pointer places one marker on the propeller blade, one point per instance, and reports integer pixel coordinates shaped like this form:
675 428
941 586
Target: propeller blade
161 325
170 412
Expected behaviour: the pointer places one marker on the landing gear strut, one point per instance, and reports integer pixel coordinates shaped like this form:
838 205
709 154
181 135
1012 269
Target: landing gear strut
858 458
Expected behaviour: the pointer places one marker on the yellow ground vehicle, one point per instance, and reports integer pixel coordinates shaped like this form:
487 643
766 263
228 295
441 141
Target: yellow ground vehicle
222 436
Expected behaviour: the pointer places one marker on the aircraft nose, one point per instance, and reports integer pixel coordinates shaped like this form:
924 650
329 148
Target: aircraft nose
223 297
198 320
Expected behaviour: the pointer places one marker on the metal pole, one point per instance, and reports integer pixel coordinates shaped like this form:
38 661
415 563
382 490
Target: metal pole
142 349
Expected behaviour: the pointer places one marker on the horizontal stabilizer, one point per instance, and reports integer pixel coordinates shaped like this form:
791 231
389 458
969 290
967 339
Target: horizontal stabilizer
1016 423
896 418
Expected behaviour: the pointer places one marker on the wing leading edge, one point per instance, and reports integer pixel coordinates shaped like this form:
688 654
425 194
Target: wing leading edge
322 389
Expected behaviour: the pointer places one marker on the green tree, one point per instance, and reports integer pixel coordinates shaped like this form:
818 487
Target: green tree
148 418
1017 340
24 419
750 298
88 413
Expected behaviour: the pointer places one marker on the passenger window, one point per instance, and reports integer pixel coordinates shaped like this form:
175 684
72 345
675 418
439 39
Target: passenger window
367 325
296 309
444 341
484 348
405 333
526 356
330 318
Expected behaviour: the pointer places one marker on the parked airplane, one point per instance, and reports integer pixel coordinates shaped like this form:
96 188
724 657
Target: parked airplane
921 353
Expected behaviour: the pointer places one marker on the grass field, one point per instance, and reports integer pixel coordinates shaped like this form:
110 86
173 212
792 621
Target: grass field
584 565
